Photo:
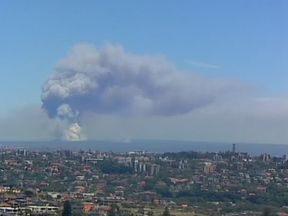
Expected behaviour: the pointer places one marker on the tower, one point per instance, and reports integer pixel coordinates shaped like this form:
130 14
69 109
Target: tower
233 148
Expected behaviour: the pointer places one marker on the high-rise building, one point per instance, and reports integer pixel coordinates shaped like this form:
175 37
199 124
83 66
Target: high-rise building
234 148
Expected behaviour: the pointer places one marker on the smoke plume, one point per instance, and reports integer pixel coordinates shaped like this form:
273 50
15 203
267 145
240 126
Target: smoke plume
112 81
73 132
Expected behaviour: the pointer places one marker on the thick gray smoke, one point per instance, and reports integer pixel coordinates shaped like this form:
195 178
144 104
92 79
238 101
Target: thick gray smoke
112 81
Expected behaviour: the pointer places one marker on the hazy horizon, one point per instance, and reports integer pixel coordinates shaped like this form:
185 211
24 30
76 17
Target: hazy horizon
150 146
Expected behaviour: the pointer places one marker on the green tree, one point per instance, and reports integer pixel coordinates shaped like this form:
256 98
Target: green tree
141 210
67 210
166 212
150 213
267 212
115 211
28 193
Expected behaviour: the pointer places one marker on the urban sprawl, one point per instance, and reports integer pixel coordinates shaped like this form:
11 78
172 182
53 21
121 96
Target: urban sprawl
142 183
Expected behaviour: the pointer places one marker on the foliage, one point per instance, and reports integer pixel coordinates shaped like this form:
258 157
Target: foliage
204 196
112 167
166 212
67 210
115 211
28 193
268 212
150 213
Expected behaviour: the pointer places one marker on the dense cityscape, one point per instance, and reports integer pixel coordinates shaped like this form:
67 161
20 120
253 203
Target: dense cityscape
142 183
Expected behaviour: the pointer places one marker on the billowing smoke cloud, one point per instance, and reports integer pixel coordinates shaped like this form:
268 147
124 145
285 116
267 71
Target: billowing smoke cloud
112 81
69 117
73 133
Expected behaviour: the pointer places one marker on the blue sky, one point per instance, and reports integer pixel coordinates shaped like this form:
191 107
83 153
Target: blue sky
245 40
